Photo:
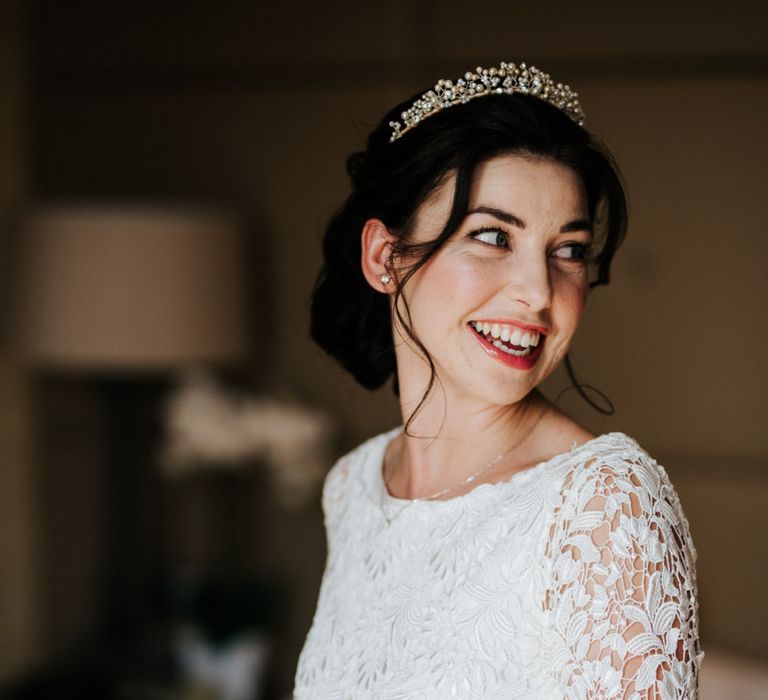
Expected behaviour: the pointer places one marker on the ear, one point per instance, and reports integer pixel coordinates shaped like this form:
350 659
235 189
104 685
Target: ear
376 250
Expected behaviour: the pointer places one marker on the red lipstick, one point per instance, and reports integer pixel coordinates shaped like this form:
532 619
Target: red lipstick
515 361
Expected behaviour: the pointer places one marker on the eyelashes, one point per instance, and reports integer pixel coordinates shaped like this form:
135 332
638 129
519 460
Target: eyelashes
582 252
489 235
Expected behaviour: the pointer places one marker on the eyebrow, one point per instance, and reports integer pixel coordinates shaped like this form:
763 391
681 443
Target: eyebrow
512 220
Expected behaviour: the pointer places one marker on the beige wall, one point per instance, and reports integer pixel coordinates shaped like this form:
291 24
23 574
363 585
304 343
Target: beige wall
260 109
19 613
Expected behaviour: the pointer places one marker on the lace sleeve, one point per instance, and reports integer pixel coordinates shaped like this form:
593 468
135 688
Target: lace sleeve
623 600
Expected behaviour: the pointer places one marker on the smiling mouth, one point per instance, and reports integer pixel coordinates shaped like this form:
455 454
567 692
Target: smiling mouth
510 339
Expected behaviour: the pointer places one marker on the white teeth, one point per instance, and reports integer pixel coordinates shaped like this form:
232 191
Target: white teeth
501 333
510 351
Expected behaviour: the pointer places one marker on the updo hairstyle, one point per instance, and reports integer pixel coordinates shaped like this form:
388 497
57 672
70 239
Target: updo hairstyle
390 180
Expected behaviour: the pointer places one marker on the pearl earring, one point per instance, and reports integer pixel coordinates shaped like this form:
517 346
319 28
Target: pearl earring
385 279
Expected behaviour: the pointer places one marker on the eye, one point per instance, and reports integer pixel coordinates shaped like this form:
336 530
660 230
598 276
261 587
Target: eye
574 252
491 236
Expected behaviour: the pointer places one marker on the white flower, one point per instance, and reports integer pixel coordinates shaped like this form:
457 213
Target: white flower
209 427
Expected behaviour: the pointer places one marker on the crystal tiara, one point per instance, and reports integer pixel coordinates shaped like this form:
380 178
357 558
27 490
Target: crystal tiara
507 79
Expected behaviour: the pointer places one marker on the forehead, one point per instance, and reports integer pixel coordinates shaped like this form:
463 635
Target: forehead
527 179
527 186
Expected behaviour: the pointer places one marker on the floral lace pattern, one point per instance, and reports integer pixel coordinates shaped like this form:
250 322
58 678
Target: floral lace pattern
573 579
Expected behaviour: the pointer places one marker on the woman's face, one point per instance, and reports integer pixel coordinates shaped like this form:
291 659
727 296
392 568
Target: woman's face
498 304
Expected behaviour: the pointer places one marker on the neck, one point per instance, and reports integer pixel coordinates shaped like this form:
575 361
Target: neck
448 440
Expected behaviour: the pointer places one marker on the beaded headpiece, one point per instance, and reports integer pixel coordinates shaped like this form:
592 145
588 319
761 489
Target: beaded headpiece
507 79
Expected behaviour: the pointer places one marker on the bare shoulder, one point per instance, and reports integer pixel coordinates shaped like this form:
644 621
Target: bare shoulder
559 433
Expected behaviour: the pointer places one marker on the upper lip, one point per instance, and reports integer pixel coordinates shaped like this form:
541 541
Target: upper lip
544 330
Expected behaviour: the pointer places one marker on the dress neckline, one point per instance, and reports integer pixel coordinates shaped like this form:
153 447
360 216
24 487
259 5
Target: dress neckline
386 498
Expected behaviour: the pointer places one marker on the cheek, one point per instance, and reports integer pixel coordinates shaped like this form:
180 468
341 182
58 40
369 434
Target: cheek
570 296
455 285
468 284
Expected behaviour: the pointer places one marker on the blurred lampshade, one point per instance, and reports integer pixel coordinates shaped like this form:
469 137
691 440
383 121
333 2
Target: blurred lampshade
120 287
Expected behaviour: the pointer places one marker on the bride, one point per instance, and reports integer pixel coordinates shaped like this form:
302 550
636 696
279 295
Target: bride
491 546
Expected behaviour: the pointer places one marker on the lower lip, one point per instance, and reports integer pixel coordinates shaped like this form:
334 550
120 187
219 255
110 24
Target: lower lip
516 361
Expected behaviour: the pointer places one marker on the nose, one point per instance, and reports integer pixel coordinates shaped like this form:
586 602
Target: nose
530 284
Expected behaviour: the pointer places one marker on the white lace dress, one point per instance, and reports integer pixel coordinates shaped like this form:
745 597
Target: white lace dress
573 579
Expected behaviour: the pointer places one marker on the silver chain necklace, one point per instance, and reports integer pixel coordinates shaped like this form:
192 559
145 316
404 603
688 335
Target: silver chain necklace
467 480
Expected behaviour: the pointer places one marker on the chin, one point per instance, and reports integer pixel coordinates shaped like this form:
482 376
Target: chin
505 393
